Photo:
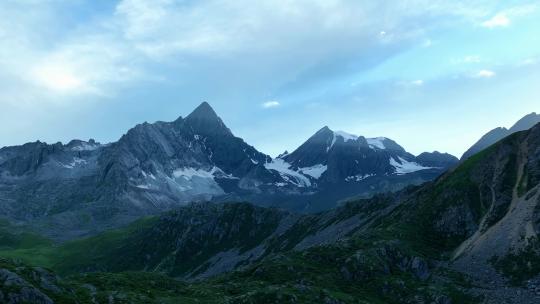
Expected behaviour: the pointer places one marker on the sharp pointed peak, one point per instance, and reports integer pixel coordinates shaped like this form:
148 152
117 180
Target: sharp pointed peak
205 105
205 120
203 110
324 129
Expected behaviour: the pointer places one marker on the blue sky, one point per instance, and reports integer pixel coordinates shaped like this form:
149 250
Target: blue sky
432 75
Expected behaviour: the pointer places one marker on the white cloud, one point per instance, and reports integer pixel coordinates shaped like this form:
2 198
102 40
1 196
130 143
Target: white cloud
418 82
57 77
485 74
271 104
504 18
499 20
48 52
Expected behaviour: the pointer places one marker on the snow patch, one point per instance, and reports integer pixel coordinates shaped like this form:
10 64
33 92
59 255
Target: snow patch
84 146
403 166
358 177
192 182
254 161
314 171
346 137
284 169
148 175
376 143
189 173
76 162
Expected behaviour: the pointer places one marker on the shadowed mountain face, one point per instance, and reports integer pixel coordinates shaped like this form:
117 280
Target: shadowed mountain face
493 136
85 187
462 238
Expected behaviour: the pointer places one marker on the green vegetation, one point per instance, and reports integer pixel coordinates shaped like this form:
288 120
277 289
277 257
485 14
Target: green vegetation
39 251
352 272
11 238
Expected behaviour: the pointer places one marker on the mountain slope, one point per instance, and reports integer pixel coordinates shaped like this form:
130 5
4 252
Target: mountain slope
278 258
493 136
478 194
476 222
484 216
203 239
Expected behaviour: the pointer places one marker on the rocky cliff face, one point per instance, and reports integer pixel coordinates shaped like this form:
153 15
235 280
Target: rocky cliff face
510 220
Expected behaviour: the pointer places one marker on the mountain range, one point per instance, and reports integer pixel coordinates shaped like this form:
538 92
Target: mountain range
469 236
83 187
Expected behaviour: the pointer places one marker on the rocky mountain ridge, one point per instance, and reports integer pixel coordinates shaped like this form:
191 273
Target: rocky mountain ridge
85 187
493 136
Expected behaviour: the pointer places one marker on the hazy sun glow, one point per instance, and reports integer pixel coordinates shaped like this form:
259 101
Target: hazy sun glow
57 78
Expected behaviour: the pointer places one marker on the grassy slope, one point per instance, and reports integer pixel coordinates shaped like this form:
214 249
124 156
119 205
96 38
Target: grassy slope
312 276
38 251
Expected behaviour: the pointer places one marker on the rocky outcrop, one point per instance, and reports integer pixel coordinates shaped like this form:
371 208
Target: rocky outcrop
18 290
437 160
366 264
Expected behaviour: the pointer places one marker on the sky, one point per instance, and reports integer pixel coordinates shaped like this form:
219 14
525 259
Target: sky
431 75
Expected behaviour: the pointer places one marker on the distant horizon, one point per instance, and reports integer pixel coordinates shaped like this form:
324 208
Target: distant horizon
65 142
431 75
